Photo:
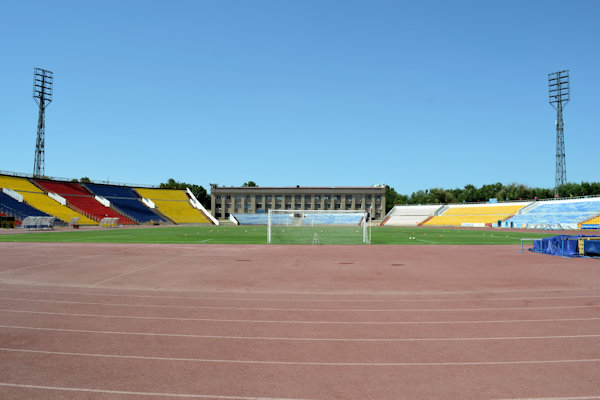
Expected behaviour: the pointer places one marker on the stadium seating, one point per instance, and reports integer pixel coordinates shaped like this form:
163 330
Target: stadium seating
14 208
82 200
36 198
127 202
458 215
332 219
409 215
594 220
557 213
175 204
252 219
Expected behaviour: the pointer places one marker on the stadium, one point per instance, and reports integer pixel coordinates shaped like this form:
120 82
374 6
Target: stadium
321 284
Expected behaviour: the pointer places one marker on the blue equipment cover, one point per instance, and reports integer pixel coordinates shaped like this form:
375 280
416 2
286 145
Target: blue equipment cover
591 247
561 245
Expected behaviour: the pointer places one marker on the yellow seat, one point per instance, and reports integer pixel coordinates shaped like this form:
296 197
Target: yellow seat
456 216
175 204
36 197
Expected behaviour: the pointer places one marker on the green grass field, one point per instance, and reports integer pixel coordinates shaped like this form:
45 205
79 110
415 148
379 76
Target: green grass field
258 235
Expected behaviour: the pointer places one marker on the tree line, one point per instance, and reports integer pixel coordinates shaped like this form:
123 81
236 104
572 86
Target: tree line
472 194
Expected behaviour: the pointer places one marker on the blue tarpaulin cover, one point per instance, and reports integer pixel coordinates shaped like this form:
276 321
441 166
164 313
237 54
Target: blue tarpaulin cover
561 245
591 248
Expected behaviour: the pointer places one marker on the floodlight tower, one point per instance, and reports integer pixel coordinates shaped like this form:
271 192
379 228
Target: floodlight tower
43 82
560 94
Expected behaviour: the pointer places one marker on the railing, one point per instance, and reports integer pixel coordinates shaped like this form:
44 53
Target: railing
70 180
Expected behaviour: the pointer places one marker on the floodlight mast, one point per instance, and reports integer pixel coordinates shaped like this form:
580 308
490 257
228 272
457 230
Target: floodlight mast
560 94
43 83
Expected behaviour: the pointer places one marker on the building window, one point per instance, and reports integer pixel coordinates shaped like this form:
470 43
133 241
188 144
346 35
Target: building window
269 197
307 197
258 205
337 197
238 197
368 205
228 197
377 198
317 197
258 197
269 206
288 198
218 197
327 206
248 197
358 206
369 197
288 206
338 206
298 206
277 206
307 206
298 197
358 197
348 197
278 197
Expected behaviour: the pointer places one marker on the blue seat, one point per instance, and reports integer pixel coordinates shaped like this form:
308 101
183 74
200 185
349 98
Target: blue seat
126 200
557 212
20 211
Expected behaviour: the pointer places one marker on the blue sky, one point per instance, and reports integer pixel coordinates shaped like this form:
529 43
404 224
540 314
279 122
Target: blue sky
322 93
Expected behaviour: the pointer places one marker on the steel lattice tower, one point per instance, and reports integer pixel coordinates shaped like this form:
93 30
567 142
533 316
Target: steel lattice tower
560 94
42 94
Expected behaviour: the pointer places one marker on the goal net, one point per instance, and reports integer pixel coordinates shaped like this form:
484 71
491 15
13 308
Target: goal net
318 227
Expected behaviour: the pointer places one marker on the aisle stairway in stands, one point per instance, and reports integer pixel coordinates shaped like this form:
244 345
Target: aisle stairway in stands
82 200
127 202
36 198
175 204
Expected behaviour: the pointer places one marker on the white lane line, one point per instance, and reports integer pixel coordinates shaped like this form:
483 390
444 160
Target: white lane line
259 321
133 272
245 299
180 335
145 394
314 363
419 310
61 261
312 294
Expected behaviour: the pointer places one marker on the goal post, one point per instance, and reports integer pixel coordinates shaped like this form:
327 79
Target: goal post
318 227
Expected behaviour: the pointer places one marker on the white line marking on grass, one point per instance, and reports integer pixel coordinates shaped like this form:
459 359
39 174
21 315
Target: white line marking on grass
133 272
295 300
299 339
271 362
306 322
146 394
411 310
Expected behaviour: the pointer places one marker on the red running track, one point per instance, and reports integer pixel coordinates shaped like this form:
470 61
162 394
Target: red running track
112 321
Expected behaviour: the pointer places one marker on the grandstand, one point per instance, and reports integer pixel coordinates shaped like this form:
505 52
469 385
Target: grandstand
18 209
556 214
409 215
36 198
126 201
175 204
83 201
475 215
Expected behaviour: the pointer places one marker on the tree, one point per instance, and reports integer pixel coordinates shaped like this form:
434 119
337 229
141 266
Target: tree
85 179
250 184
198 191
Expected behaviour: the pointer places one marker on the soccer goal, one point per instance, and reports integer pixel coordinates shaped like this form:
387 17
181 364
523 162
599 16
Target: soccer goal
318 227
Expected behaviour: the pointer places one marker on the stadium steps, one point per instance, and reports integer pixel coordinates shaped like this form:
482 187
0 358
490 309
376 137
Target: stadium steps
593 220
423 222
